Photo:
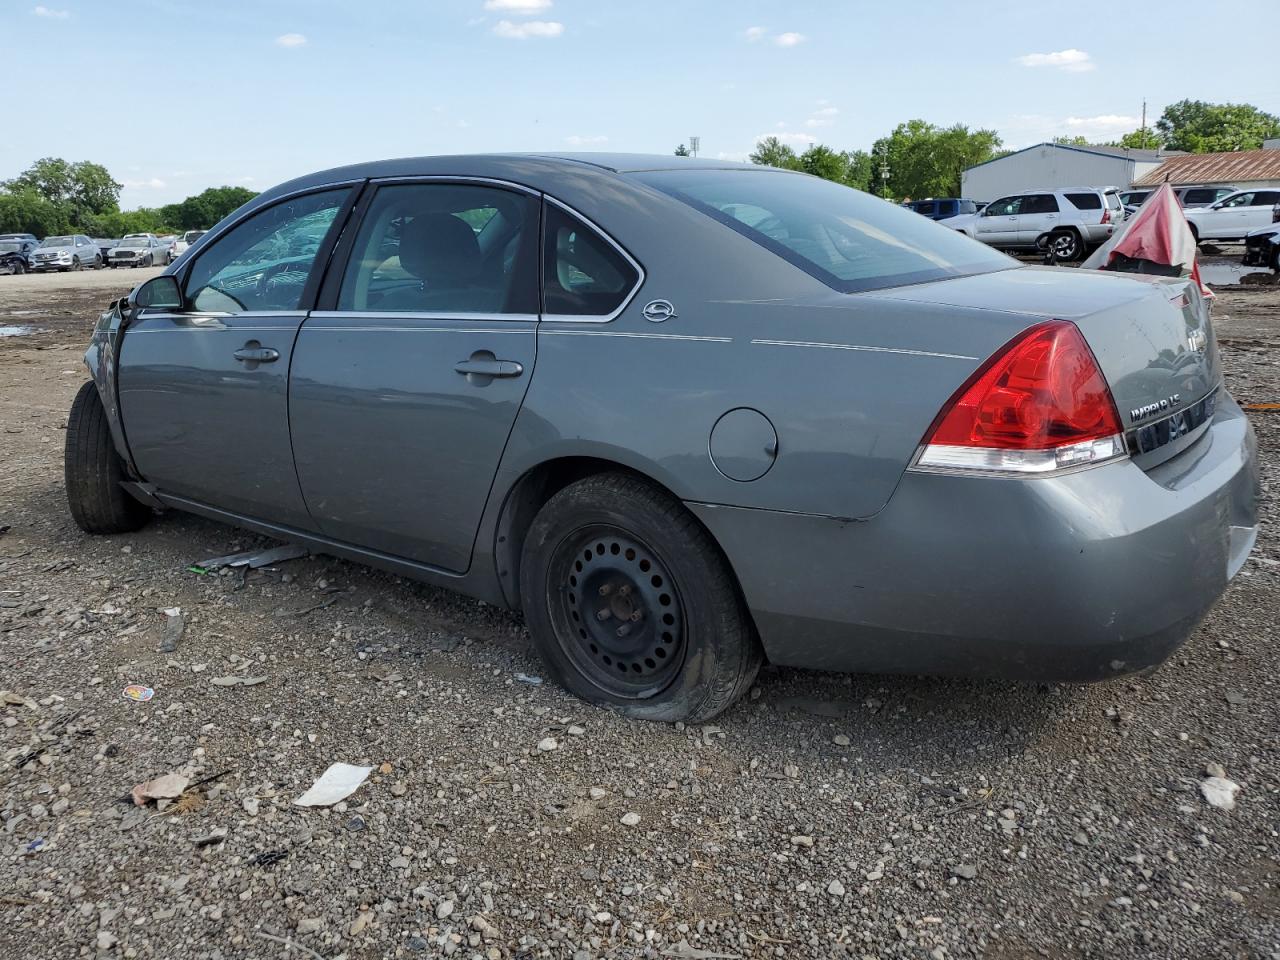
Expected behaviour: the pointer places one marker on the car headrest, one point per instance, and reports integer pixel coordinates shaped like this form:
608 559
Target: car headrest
440 249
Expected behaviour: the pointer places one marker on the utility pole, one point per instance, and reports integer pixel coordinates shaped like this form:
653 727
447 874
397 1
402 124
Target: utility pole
1144 121
694 144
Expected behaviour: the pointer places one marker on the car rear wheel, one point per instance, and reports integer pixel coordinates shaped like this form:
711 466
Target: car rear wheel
632 605
1066 245
1195 234
93 471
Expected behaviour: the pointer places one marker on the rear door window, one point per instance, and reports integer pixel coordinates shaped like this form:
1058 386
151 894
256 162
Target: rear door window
926 208
1266 198
1040 203
584 274
1199 196
443 248
843 237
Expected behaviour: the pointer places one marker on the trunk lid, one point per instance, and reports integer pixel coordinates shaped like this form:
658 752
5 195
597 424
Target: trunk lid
1152 337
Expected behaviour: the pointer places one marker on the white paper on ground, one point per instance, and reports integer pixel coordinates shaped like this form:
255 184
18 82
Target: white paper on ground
337 783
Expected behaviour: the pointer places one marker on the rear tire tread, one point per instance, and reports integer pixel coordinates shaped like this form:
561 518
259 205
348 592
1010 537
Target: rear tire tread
739 652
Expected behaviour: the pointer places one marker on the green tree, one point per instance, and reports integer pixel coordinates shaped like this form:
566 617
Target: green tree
1072 141
772 152
924 160
207 207
25 211
682 151
822 161
1200 127
1144 138
80 189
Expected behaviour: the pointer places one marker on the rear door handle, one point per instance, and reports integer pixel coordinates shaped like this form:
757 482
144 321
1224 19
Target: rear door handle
485 364
254 352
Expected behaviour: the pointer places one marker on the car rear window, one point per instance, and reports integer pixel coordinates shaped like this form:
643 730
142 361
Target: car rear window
1085 201
847 239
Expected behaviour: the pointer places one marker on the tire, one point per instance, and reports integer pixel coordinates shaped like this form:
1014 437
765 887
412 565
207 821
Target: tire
93 471
75 264
97 261
1066 245
1195 234
633 556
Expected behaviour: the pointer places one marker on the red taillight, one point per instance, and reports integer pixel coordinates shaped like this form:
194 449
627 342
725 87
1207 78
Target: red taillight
1106 215
1043 392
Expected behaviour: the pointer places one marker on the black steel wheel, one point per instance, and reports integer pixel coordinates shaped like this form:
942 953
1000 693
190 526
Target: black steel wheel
632 604
616 611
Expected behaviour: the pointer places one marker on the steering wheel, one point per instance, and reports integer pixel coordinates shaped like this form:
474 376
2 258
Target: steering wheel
276 269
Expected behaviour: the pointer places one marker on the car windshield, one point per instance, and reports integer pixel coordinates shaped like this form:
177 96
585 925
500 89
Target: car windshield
58 242
136 243
849 240
9 246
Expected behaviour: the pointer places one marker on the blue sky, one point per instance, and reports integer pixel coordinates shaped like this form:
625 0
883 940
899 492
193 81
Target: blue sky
174 96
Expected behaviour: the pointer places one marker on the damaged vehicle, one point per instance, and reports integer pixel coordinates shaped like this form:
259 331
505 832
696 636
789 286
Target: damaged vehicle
688 416
15 255
1262 246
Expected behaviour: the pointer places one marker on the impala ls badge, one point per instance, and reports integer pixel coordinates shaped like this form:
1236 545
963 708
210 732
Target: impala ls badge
1197 340
1141 413
659 310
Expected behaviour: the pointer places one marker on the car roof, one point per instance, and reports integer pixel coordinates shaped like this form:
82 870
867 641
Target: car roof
513 166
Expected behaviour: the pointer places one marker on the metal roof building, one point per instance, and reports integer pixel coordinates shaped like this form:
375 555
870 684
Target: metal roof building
1059 165
1243 168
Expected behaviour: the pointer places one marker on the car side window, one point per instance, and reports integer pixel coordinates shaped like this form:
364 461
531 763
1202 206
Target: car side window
1040 203
1243 200
263 263
1004 207
1091 201
1266 198
445 248
584 274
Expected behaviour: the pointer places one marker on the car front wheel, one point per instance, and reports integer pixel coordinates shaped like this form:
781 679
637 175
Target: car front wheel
93 471
632 605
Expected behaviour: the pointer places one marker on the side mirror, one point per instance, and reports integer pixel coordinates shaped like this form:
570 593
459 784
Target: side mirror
159 293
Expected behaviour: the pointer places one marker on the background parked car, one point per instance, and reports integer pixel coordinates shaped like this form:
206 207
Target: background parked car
1234 216
73 252
15 255
180 244
104 247
20 236
138 250
1262 246
942 207
1075 219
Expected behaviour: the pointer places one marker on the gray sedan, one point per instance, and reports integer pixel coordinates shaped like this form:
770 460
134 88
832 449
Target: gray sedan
688 416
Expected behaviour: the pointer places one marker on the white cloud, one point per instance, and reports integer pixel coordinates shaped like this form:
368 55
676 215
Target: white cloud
789 39
521 8
1107 121
154 183
291 40
527 29
791 139
735 157
578 140
51 14
244 179
822 117
754 34
1073 61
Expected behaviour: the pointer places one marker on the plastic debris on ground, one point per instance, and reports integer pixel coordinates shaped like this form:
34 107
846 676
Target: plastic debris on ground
137 693
238 681
253 559
335 784
168 787
529 679
1219 792
173 627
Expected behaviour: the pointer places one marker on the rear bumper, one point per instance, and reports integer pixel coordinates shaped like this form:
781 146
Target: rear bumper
1074 578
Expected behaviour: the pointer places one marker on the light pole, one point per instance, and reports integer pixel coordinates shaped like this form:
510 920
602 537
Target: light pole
884 177
694 144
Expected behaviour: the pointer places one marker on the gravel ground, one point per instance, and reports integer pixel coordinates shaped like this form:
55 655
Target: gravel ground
824 816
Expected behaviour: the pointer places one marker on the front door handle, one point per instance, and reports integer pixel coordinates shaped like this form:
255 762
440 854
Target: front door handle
253 353
483 366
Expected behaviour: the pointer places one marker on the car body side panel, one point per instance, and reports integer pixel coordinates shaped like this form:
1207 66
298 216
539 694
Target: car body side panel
1076 577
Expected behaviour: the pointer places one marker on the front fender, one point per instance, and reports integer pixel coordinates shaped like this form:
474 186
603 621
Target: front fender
102 361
